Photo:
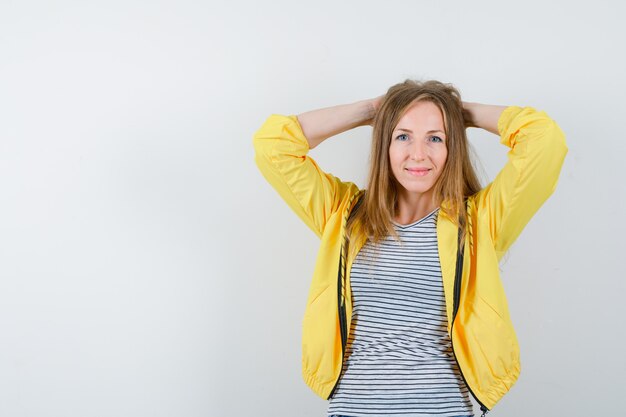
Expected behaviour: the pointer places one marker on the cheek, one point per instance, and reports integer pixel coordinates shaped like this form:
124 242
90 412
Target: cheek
443 158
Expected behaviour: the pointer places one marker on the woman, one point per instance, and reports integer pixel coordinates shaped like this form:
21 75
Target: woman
406 313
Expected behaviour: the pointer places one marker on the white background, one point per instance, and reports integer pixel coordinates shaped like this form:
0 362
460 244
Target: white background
147 268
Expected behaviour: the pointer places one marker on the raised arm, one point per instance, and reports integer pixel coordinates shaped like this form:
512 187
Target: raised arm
537 150
281 148
319 125
483 116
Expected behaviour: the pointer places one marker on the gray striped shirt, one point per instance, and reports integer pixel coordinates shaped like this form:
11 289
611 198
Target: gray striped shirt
399 358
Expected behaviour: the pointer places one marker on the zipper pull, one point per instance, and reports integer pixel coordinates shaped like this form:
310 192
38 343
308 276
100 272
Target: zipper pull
484 410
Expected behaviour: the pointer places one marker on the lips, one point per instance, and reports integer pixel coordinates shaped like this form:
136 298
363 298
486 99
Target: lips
418 172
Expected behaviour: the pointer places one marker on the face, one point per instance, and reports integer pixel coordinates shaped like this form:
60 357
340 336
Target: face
418 149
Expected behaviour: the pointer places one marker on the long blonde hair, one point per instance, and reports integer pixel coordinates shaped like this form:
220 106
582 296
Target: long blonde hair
372 215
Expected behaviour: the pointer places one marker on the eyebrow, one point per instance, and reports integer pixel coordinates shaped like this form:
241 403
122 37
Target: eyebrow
429 132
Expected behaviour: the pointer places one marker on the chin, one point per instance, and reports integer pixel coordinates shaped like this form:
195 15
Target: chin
418 190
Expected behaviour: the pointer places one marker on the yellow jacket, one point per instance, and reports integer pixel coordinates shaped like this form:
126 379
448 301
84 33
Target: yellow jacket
482 334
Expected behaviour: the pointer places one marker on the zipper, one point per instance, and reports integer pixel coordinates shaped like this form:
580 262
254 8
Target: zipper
457 298
343 326
341 273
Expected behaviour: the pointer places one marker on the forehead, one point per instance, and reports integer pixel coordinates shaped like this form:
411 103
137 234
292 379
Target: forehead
423 116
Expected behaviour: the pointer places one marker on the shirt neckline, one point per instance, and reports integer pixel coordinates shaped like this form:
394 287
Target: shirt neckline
404 226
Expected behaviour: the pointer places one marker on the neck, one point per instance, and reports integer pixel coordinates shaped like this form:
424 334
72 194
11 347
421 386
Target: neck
412 207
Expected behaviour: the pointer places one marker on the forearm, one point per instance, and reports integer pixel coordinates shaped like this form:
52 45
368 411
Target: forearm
484 116
318 125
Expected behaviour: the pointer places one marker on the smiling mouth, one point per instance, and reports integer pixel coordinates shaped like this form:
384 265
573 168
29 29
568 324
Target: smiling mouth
418 172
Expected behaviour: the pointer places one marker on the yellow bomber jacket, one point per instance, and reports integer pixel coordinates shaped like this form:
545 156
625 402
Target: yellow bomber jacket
483 338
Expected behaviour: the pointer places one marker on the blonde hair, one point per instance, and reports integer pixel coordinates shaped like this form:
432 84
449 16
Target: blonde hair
372 215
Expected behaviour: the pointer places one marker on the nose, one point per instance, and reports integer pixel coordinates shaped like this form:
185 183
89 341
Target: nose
418 150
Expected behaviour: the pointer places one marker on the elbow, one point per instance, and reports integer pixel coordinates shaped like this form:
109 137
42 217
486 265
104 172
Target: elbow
552 140
560 145
262 144
549 161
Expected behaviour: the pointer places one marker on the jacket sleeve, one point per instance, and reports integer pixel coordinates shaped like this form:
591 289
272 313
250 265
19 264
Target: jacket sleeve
281 155
536 155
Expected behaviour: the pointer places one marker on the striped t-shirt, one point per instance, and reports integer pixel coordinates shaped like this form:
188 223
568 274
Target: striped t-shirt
399 358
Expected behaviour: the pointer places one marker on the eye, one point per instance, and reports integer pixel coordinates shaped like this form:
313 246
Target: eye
402 137
436 139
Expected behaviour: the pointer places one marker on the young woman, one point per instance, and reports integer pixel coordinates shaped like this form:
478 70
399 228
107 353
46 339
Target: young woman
406 313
